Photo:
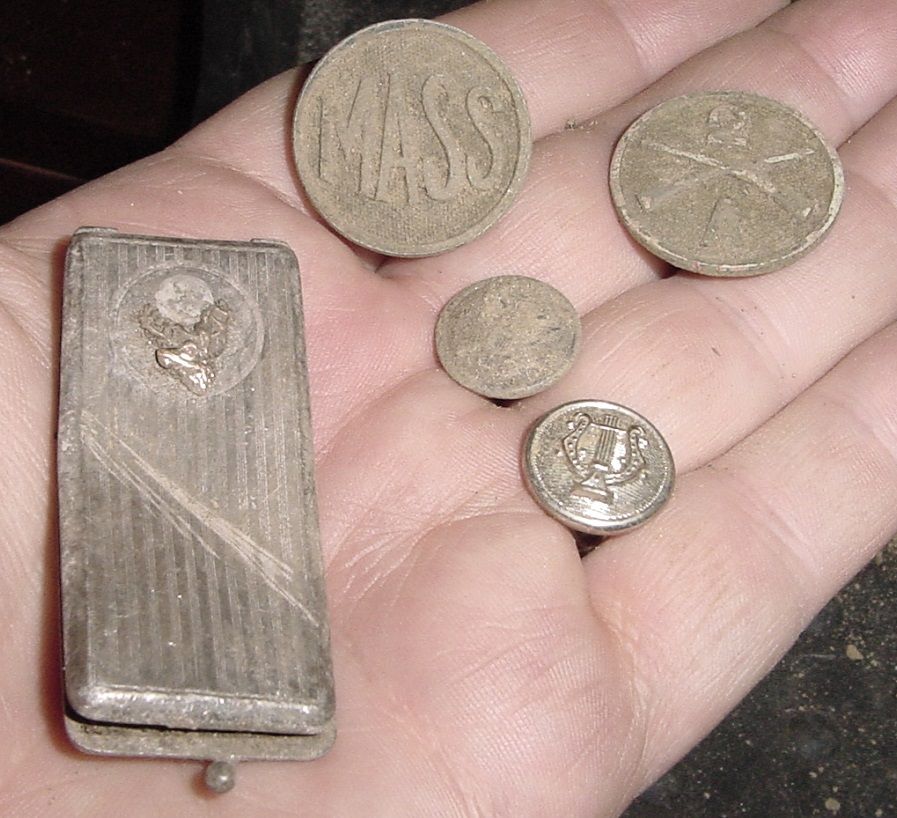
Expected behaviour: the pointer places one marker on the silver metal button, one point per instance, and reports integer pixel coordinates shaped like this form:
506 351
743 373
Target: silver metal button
598 467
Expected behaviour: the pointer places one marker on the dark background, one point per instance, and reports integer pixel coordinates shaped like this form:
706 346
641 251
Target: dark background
89 85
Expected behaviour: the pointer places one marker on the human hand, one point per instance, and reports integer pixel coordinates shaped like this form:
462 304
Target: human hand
481 667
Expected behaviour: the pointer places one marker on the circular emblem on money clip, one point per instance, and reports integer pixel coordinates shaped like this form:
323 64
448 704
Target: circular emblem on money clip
185 331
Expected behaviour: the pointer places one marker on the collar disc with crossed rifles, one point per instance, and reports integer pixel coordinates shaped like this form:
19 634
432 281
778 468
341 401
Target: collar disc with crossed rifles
726 183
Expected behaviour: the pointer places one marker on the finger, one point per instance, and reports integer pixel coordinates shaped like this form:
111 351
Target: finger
831 59
734 352
628 45
573 58
630 48
715 589
577 58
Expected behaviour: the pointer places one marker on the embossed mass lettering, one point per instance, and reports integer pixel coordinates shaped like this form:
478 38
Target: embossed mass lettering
384 140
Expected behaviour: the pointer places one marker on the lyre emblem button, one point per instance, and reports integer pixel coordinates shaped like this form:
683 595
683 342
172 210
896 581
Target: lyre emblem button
598 467
603 454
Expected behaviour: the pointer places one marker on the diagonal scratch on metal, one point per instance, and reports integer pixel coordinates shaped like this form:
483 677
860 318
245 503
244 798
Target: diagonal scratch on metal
186 513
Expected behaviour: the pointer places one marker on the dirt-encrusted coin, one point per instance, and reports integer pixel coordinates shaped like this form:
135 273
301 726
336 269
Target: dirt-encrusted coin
507 337
598 467
411 138
726 183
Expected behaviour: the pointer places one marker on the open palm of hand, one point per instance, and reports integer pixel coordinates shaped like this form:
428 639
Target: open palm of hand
481 667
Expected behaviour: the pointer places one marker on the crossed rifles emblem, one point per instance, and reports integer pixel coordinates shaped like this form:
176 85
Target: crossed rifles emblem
727 128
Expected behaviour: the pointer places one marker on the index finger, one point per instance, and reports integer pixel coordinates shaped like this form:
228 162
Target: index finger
572 58
577 58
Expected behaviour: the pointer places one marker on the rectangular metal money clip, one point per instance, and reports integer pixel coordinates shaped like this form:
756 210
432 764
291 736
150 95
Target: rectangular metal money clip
194 617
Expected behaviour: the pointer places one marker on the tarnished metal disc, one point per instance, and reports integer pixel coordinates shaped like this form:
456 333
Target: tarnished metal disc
726 183
598 467
507 337
411 138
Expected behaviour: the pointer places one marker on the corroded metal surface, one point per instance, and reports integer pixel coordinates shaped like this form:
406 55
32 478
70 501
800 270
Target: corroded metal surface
508 336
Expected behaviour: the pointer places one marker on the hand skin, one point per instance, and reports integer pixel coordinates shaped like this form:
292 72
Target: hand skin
482 669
